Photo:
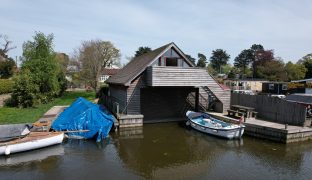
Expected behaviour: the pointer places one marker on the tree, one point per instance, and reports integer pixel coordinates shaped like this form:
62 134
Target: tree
7 64
295 71
94 55
202 60
43 71
7 68
142 50
273 70
5 47
218 59
307 62
190 58
243 60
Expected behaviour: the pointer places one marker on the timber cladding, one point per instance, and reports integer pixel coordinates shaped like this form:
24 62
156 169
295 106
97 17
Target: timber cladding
272 108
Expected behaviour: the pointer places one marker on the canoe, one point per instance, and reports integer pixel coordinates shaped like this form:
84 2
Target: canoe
34 140
205 123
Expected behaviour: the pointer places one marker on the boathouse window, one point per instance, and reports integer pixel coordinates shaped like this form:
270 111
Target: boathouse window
171 62
271 86
284 87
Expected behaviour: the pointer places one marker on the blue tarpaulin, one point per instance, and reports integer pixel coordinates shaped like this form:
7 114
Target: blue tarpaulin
84 115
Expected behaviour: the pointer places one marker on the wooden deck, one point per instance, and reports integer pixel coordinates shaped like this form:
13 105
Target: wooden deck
270 130
45 122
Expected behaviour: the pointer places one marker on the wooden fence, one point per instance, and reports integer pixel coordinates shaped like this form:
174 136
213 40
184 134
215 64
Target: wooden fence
272 108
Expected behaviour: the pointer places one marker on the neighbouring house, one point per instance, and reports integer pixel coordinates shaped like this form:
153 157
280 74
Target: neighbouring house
162 85
108 72
245 84
275 87
301 86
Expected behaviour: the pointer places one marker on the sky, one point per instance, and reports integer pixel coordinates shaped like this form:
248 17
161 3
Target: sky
195 26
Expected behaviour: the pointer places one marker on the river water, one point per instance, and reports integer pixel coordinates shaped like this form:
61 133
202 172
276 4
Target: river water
162 151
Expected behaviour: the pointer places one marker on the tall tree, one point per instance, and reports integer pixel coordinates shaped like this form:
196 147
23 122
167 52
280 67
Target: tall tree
202 60
44 72
243 60
307 62
295 71
142 50
193 60
219 58
95 55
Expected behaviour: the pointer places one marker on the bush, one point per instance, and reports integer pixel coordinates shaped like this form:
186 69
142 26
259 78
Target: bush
6 86
24 91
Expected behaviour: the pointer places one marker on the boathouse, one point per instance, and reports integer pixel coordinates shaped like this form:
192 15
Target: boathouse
163 84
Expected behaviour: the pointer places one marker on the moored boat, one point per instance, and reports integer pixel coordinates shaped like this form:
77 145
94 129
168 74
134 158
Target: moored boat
34 140
205 123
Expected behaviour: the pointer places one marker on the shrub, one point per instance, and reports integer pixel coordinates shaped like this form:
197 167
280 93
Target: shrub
24 91
6 86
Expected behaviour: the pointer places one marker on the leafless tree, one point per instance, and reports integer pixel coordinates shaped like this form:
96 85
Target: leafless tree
5 46
94 55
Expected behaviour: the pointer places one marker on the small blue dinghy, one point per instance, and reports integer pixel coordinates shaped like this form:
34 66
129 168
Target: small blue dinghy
205 123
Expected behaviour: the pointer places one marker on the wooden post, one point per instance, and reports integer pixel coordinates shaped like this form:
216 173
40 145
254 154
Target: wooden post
196 99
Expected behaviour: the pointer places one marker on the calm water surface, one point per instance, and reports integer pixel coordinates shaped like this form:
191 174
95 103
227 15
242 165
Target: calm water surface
162 151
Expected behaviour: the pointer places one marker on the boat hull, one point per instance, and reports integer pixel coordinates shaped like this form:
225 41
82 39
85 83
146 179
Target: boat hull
229 134
203 122
31 142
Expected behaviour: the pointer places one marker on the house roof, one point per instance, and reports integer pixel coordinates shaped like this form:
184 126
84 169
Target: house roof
109 71
302 80
137 66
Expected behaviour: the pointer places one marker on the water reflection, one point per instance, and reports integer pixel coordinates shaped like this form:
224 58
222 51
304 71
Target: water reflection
173 150
31 156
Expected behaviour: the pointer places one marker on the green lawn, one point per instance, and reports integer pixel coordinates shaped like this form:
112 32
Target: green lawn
29 115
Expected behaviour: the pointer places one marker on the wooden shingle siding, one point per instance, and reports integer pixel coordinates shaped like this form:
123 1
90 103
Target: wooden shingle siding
177 76
134 95
118 94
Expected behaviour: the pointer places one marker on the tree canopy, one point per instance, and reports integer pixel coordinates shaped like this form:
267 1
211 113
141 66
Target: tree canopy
307 62
295 71
41 78
142 50
243 60
202 60
94 56
219 58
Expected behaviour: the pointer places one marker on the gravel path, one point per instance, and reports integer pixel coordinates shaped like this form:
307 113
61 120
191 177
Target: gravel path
4 97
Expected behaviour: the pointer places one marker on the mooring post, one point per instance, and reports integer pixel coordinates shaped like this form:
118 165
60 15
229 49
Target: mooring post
196 99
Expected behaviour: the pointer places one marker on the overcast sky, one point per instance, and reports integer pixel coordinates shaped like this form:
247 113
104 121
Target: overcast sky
195 26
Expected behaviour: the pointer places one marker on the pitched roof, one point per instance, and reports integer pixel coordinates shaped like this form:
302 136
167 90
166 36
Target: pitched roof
109 71
135 67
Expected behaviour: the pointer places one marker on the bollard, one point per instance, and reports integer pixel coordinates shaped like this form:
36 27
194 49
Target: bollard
286 126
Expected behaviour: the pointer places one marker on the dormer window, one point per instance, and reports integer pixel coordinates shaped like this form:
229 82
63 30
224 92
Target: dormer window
171 61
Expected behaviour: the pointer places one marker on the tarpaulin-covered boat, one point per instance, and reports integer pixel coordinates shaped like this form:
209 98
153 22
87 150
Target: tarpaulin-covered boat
84 115
205 123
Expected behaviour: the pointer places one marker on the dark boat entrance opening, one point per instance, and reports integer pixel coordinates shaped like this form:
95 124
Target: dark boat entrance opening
163 104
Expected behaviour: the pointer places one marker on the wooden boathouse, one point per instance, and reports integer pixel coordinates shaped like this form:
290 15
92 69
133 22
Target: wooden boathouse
162 85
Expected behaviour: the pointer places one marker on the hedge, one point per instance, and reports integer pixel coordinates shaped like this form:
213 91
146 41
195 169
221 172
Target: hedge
6 86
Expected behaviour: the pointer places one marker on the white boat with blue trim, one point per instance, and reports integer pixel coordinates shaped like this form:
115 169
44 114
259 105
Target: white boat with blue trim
205 123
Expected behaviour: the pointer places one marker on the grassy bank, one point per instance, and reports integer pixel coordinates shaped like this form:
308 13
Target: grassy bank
29 115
